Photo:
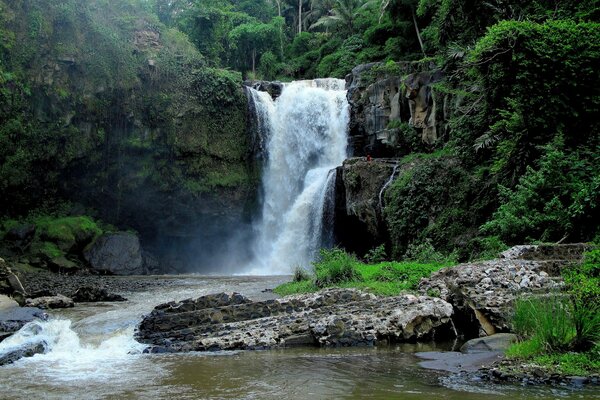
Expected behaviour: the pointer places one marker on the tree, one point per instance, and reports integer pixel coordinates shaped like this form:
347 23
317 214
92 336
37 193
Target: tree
250 40
341 16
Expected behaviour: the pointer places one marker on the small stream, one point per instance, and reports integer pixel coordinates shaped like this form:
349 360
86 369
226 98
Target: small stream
93 356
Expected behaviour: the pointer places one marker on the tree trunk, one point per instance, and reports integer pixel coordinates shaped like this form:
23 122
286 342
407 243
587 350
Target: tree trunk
417 30
299 16
254 63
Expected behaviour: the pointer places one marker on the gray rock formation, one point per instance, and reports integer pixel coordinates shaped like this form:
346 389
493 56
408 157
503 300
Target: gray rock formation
332 317
50 302
362 182
494 343
13 317
273 88
116 253
486 290
27 350
378 98
89 294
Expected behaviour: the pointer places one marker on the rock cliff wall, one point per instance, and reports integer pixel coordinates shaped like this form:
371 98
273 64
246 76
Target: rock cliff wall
107 108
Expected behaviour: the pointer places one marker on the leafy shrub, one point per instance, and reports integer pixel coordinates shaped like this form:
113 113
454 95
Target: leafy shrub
423 251
584 288
552 201
336 266
301 275
376 255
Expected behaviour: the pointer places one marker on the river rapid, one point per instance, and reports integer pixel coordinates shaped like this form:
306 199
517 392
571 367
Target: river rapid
93 356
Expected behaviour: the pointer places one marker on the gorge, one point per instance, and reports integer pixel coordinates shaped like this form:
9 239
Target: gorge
299 199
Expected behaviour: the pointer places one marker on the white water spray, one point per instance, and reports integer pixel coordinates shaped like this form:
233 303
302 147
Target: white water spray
307 138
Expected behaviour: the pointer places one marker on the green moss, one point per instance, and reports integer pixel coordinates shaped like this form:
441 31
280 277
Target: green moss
48 250
67 231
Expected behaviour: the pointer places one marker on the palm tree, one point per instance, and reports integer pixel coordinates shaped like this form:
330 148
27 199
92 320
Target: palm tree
342 15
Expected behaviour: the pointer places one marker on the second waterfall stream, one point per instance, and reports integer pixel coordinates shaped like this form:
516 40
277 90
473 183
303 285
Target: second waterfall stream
303 135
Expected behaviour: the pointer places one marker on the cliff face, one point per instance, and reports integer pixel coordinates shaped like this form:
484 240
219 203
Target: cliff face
394 108
105 107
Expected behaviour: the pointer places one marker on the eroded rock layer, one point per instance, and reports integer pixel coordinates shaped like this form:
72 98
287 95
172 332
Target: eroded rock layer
332 317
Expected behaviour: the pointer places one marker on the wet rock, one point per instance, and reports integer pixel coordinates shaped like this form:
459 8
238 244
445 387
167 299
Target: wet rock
332 317
13 317
486 290
116 253
50 302
495 343
27 350
363 181
273 88
90 294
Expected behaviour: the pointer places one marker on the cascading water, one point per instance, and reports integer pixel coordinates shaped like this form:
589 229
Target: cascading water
307 138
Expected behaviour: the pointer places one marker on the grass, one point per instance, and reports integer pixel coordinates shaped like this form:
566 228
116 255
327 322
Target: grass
337 268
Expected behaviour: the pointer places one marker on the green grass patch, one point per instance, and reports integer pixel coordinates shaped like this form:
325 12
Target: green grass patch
336 268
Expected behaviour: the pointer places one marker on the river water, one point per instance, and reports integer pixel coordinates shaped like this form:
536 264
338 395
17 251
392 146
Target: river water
93 356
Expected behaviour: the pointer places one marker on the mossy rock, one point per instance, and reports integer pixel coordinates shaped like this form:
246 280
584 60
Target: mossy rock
46 250
68 233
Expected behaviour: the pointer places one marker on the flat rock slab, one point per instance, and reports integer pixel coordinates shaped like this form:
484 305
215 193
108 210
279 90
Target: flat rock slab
332 317
452 361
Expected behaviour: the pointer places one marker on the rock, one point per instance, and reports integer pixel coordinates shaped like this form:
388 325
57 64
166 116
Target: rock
63 265
377 97
273 88
13 317
422 103
332 317
21 236
27 350
116 253
483 293
495 343
50 302
10 284
362 183
90 294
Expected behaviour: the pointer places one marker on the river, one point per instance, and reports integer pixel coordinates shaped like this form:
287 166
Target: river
93 356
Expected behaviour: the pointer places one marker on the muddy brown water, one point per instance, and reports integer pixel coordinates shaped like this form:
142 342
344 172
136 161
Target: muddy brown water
93 356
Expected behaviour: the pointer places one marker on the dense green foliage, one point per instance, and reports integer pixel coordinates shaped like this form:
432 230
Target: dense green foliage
103 97
337 268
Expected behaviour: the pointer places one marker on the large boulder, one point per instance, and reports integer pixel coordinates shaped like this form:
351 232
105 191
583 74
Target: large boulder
483 293
116 253
50 302
332 317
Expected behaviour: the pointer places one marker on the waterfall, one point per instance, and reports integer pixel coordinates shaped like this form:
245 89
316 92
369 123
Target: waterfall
385 186
306 131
